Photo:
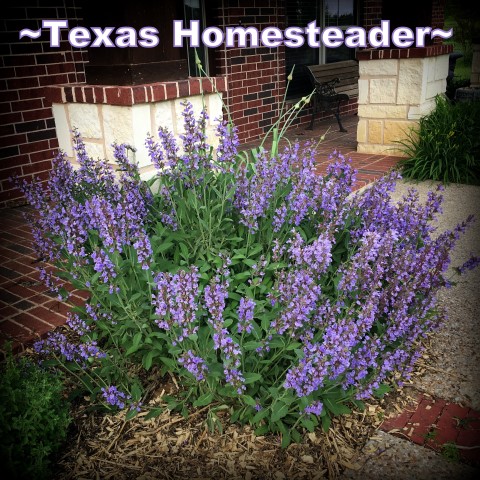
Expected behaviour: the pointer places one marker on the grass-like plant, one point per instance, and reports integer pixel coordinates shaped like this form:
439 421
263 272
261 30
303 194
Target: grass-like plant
266 289
446 144
34 418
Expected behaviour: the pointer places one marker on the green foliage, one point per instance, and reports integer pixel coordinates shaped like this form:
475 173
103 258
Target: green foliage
450 452
34 419
446 145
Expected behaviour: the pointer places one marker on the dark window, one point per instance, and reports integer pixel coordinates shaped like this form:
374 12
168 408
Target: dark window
327 13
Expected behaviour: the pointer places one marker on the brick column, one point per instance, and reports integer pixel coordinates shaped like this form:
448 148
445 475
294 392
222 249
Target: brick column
255 76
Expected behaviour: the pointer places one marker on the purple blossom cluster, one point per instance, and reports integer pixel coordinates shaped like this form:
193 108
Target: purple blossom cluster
175 302
194 364
58 343
470 264
314 408
227 146
115 397
91 198
347 283
385 294
246 310
215 295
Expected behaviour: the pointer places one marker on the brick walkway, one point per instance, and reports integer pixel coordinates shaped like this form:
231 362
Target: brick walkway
27 309
445 427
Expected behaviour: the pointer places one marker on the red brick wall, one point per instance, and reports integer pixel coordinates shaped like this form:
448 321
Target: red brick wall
255 76
438 17
27 131
372 13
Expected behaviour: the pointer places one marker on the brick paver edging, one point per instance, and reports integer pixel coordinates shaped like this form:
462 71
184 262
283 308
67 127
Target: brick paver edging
445 427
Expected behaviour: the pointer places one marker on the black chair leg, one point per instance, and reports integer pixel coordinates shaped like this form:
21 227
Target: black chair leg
337 116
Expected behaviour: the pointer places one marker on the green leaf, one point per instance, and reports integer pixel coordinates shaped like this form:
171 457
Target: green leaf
203 400
260 415
359 404
336 408
131 350
296 436
254 249
153 413
286 439
163 247
184 250
308 424
131 414
249 400
326 422
242 276
251 345
382 390
279 410
251 377
136 392
276 343
148 359
169 363
262 430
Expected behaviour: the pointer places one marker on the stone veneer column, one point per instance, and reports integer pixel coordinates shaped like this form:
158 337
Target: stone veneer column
396 88
127 114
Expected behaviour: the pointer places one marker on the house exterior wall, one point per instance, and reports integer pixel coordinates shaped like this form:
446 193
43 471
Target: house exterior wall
28 138
253 83
255 76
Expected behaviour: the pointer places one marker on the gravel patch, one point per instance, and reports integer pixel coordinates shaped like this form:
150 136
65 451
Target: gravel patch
387 457
452 369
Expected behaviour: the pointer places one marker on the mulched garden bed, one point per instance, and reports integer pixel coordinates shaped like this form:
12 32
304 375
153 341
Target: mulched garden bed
171 446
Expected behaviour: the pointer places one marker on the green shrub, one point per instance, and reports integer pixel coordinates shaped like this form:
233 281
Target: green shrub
33 419
264 288
446 144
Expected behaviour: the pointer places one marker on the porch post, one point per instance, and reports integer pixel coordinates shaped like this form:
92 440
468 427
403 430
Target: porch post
396 88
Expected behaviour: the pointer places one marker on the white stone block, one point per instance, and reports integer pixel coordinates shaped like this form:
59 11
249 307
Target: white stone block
62 128
430 64
215 108
362 130
117 126
95 150
141 122
415 112
435 88
363 85
441 67
163 116
382 111
412 79
383 90
84 117
374 68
